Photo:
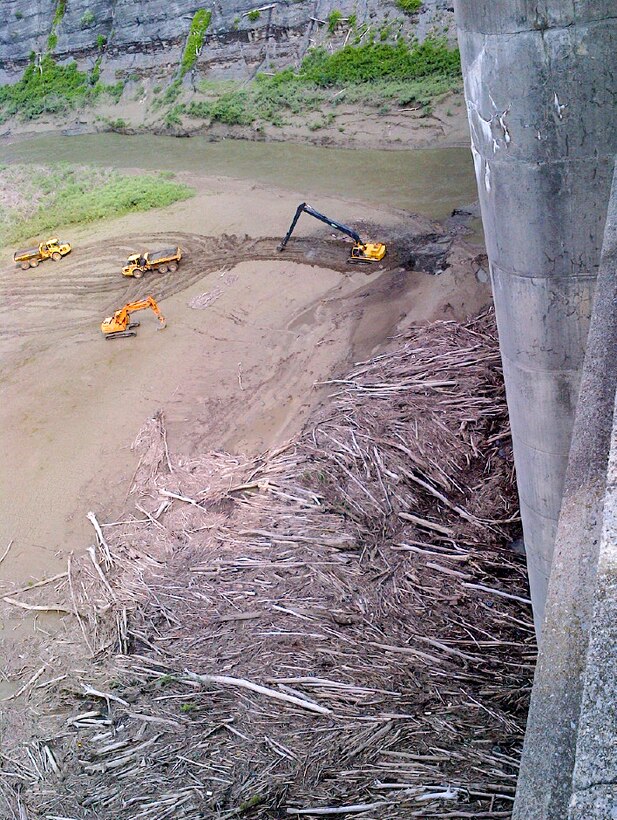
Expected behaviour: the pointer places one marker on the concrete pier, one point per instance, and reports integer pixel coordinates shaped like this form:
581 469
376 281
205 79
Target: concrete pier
540 84
569 762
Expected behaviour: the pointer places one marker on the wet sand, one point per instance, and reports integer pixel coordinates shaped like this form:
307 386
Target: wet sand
239 375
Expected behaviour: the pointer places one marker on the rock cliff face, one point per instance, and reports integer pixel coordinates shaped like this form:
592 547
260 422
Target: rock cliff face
147 37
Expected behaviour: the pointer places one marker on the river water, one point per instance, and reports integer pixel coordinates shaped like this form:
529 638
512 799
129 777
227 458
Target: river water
430 182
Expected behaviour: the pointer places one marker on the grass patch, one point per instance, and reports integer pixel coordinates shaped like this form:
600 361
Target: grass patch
49 88
52 40
195 40
334 18
378 61
118 124
409 6
57 196
87 19
376 74
59 13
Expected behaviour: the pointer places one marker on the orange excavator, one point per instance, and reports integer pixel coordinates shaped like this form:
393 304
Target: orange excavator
120 326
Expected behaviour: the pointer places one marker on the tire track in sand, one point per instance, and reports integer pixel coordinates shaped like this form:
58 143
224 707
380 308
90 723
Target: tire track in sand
88 284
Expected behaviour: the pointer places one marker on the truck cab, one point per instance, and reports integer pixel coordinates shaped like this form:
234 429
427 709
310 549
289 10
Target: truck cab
134 265
52 246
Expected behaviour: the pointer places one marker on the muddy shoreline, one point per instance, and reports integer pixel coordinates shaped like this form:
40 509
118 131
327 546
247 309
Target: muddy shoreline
397 130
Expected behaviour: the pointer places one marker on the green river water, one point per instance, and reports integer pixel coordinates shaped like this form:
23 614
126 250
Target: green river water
430 182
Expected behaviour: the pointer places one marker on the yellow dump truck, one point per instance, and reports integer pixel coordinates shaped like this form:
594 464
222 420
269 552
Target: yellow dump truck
161 261
52 249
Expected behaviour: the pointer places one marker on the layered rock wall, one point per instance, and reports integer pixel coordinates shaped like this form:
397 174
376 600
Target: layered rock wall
148 38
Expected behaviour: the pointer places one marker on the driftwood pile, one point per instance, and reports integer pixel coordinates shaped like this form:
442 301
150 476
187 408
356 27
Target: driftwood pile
337 628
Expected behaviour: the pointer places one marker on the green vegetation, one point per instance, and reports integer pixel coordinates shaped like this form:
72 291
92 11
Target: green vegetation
165 679
49 88
195 40
118 124
334 19
253 15
87 19
231 108
409 6
19 15
172 92
51 198
378 61
251 803
101 42
378 74
172 118
52 40
59 13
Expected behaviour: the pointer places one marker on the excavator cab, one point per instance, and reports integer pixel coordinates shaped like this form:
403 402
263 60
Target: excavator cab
132 267
56 249
368 252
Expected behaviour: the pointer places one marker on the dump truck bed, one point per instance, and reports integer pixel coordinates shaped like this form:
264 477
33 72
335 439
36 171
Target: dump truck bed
166 255
20 256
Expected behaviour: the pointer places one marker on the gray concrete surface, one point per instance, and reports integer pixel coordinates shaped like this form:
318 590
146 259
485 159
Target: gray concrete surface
594 784
540 85
569 751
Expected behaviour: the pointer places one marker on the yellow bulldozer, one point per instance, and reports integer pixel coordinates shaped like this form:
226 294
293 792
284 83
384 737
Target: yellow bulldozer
119 326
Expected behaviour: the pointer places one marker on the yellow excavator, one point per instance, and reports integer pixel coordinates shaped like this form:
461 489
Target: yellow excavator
361 251
119 326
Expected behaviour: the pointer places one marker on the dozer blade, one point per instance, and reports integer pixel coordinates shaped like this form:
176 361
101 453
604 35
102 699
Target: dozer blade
120 334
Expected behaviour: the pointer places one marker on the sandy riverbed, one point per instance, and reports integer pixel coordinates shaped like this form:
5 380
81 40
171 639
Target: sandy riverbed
240 374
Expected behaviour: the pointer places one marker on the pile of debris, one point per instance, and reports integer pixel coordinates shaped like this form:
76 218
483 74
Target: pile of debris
336 628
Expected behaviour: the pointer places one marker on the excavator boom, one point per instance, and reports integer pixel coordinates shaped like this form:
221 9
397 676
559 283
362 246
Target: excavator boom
361 251
307 209
120 325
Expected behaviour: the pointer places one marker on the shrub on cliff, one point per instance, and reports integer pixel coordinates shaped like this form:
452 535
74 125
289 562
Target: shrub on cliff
195 40
378 61
49 88
376 74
